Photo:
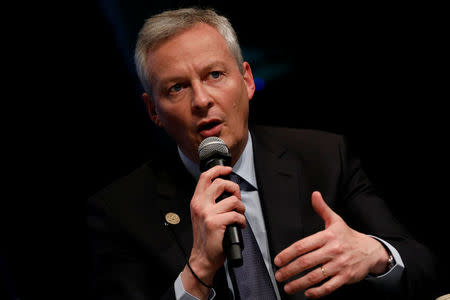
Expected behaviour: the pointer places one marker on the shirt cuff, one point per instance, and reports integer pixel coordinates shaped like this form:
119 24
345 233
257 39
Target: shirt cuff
391 279
182 294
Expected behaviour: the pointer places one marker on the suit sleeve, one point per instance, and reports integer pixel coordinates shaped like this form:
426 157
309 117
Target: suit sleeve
367 212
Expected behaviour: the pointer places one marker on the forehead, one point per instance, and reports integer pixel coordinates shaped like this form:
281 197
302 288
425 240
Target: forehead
195 47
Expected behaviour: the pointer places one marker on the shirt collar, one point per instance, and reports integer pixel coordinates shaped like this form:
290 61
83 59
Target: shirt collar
244 167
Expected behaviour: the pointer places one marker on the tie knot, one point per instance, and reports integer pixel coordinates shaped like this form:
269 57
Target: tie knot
243 184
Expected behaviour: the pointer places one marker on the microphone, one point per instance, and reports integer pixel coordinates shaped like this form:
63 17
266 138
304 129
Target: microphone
213 151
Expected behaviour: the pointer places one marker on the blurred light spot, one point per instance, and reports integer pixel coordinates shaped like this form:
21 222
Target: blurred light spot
259 83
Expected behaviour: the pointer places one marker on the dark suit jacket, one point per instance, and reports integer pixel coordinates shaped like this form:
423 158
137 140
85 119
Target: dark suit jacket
137 256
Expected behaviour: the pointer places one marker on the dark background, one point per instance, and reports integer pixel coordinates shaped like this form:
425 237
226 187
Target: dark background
374 72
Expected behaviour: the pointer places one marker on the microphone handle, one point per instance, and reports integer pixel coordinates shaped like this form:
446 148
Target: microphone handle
233 242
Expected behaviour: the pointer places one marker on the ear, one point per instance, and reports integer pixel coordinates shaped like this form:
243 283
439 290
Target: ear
151 109
248 79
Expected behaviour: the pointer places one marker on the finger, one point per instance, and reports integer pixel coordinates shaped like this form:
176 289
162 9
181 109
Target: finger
302 263
219 186
301 247
229 218
230 204
324 211
310 279
208 176
326 288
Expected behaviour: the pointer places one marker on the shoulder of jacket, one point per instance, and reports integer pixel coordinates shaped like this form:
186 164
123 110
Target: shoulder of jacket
296 136
135 182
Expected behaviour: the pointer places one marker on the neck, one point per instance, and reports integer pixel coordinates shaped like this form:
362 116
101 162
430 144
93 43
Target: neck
236 151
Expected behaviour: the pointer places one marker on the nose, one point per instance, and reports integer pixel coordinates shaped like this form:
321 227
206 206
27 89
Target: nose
201 99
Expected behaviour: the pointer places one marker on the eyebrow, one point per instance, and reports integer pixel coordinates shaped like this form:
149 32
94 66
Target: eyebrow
168 80
213 65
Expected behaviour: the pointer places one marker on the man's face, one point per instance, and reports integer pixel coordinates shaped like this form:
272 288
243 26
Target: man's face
198 90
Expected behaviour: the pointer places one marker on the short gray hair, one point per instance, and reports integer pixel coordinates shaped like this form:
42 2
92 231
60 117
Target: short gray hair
163 26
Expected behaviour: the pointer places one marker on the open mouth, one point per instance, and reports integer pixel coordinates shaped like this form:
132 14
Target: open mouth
210 128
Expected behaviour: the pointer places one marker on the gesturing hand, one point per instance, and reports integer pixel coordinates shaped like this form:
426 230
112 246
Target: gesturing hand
338 253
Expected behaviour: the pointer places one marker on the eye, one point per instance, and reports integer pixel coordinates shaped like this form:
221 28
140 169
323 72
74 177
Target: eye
215 74
175 88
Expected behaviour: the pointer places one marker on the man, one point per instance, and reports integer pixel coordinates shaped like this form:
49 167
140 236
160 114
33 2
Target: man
320 227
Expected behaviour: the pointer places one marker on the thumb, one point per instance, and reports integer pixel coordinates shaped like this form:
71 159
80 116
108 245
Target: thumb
324 211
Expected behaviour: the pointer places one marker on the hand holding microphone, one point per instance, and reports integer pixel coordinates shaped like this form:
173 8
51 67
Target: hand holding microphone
213 152
217 213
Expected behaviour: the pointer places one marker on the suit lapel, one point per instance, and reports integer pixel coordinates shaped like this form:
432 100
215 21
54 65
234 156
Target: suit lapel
278 182
175 187
284 197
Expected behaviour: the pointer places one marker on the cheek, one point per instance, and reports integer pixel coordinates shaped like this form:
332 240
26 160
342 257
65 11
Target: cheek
239 117
240 104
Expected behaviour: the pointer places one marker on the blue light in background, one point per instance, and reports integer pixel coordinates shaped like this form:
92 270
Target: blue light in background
267 65
259 83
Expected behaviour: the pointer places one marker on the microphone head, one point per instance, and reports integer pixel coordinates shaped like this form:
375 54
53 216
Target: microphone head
212 145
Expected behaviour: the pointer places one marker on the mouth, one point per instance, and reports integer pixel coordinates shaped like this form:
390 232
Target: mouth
210 128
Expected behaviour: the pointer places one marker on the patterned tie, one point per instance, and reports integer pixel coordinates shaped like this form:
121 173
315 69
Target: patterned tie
252 278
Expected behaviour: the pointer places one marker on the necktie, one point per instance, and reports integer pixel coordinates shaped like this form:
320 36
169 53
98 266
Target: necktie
252 278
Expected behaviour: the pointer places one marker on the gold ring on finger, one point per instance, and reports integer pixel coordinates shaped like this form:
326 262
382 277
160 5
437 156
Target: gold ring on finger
324 273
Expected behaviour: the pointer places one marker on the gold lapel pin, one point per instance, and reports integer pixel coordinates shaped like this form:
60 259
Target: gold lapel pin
172 218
